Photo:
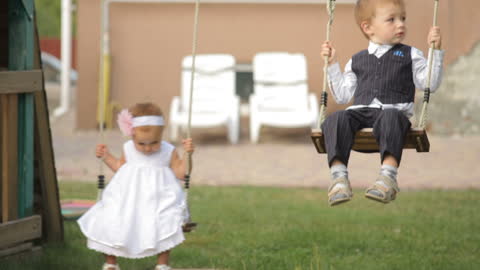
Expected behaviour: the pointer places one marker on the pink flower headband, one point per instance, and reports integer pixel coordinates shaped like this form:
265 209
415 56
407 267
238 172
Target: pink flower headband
126 122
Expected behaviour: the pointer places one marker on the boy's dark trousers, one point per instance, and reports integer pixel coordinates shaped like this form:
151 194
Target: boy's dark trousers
390 127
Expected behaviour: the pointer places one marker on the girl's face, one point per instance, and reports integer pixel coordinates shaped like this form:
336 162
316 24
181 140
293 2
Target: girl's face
388 26
147 140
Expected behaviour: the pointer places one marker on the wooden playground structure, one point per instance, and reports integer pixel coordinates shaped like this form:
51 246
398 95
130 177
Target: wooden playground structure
29 201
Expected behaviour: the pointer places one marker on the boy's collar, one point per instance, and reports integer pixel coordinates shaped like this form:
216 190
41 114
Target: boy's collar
374 47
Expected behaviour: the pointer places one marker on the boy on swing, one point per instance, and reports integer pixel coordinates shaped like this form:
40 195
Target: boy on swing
382 81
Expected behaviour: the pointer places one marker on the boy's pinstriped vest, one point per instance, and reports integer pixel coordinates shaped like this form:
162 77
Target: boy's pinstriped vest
388 78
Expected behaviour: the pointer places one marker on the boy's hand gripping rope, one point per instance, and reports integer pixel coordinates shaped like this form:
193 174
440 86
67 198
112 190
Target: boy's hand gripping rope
426 98
323 102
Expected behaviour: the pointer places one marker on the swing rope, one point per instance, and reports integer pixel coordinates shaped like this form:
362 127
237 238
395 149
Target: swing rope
323 101
101 175
192 79
101 123
426 98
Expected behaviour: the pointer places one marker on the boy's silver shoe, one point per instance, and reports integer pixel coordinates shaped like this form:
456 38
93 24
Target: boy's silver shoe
341 193
384 190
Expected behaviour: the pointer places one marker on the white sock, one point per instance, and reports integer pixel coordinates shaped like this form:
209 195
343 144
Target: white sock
389 171
338 171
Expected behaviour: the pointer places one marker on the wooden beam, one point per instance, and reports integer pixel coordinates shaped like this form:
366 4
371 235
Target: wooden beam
21 252
16 82
47 172
20 230
16 249
44 157
9 166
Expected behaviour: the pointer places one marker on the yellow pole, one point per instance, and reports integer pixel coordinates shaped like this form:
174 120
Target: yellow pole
104 85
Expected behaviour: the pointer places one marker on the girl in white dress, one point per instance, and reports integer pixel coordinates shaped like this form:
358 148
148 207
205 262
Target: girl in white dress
143 208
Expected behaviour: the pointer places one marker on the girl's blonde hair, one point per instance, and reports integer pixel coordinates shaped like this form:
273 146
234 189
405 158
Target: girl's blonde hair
143 109
365 10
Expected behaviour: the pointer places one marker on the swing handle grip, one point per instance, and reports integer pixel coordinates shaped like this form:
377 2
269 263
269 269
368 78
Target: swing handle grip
101 181
187 181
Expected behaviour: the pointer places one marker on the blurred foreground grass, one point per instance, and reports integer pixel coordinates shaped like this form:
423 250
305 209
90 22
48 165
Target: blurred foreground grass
277 228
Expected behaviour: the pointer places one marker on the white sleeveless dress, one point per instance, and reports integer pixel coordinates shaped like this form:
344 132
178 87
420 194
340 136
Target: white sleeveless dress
142 209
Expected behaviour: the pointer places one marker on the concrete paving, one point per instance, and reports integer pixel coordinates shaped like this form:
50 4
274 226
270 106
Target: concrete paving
282 158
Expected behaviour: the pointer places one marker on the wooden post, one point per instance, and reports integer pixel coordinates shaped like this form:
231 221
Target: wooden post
1 159
3 66
9 105
46 172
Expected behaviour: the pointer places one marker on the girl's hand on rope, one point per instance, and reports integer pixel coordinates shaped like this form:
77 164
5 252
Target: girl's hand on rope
101 151
329 51
188 145
435 37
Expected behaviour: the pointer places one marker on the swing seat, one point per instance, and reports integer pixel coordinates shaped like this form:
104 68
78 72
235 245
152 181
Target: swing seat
365 141
73 209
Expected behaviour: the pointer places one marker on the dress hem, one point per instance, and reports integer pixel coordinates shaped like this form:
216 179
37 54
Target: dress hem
173 241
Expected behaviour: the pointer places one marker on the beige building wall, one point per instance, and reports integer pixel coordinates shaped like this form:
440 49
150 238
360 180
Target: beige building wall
148 41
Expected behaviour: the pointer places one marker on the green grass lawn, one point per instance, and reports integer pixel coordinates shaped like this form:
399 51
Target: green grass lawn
275 228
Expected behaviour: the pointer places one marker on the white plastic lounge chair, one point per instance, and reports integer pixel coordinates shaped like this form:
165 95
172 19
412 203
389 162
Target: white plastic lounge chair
281 97
214 100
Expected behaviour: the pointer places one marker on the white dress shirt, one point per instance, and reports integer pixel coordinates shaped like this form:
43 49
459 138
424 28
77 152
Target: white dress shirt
343 86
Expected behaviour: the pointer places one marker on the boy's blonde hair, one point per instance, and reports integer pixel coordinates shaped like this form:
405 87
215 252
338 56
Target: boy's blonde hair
144 109
365 10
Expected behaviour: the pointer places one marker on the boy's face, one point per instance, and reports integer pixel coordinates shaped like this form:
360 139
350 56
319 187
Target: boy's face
148 141
387 26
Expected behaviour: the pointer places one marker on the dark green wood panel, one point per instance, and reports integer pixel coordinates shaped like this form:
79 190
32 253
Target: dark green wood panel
3 35
20 52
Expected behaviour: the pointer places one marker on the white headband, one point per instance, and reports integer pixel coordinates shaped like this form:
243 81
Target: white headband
149 120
